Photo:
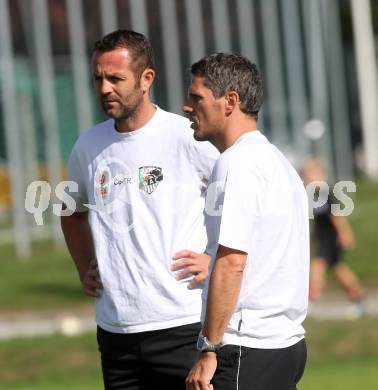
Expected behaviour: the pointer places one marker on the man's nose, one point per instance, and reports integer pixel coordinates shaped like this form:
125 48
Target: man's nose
104 87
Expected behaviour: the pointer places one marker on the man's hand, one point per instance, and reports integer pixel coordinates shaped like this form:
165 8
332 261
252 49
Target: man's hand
202 372
191 263
91 280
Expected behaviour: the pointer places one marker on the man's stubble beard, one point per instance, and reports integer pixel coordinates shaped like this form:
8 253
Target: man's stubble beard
197 137
131 110
204 137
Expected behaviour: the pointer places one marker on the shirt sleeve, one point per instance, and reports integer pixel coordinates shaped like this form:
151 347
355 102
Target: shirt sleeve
242 204
76 175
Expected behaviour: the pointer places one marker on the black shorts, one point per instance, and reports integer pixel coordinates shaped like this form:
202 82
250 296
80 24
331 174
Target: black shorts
242 368
329 250
159 359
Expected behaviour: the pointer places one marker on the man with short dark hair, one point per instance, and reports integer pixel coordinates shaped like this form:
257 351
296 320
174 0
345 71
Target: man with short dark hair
257 223
143 177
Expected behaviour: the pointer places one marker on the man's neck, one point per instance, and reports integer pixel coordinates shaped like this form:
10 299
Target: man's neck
141 117
233 132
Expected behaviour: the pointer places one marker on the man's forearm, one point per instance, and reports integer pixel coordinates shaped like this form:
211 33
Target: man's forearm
344 231
78 236
225 283
341 225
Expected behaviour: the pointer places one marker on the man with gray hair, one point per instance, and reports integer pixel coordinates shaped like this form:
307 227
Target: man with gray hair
258 237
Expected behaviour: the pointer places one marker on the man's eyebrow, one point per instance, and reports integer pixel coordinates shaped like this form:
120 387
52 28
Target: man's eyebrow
118 75
193 94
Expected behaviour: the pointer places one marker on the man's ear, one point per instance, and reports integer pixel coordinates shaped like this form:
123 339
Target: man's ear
232 101
147 79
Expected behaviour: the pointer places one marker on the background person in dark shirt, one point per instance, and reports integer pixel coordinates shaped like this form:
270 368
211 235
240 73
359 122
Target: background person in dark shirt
331 236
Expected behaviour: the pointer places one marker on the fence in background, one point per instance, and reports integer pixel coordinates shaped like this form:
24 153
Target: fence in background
304 49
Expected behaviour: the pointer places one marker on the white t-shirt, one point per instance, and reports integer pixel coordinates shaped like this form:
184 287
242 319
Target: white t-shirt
145 191
257 203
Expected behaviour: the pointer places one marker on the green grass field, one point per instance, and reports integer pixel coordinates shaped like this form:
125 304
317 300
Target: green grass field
364 221
47 280
340 356
54 362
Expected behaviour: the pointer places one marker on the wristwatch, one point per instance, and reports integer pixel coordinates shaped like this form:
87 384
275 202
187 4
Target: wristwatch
204 345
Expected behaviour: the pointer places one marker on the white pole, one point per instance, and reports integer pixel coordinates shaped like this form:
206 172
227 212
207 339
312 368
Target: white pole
47 99
79 64
247 31
221 26
29 148
367 81
297 102
338 92
21 234
139 22
27 127
319 99
275 76
108 16
138 14
248 38
171 48
195 30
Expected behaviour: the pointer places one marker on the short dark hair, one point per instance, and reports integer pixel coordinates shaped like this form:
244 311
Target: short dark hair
232 72
139 46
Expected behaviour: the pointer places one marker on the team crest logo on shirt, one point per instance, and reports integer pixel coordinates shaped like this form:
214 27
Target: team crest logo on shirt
103 183
149 178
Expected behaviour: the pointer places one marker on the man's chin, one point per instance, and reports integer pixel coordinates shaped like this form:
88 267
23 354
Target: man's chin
198 136
111 113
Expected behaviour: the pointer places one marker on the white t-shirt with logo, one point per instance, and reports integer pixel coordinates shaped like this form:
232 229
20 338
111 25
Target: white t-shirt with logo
256 203
145 191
